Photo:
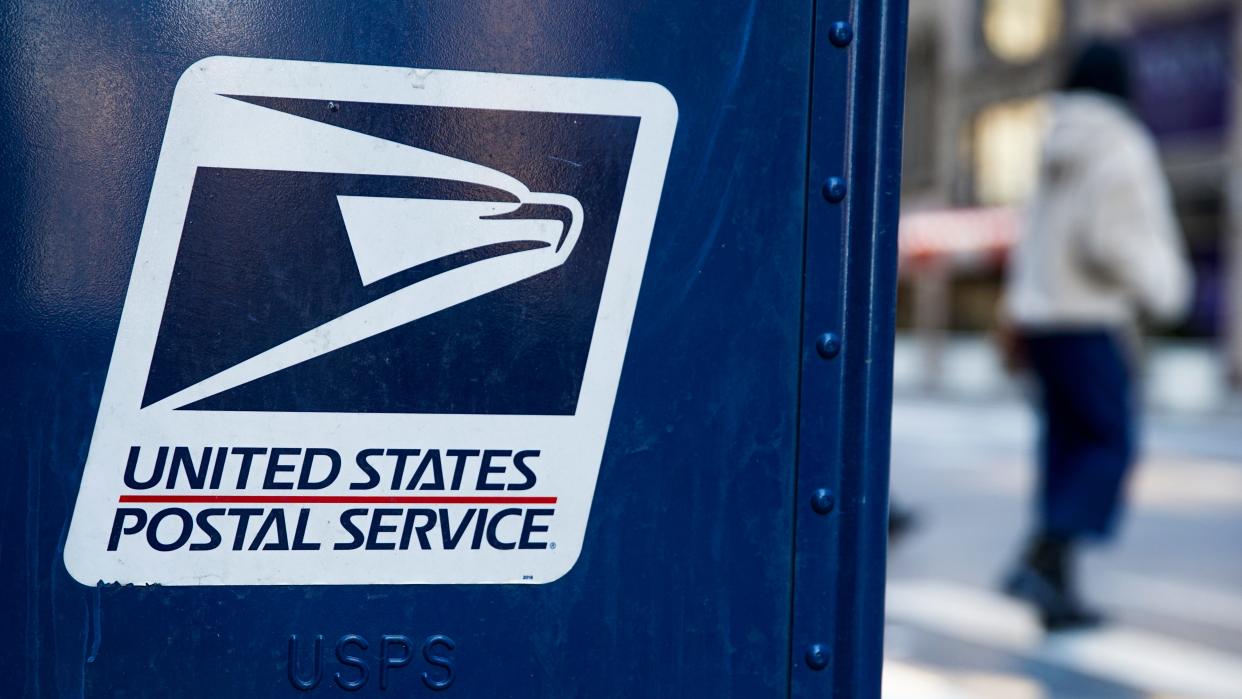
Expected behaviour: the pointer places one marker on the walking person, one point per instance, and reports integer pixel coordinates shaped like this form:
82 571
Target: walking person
1101 253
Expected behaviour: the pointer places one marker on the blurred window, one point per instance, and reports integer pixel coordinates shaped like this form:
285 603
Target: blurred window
1020 31
1006 148
1184 81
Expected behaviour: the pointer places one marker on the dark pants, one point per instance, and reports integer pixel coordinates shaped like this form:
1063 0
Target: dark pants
1088 429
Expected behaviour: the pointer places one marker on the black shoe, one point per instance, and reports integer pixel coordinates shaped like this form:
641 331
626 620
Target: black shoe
1043 579
900 523
1072 619
1058 609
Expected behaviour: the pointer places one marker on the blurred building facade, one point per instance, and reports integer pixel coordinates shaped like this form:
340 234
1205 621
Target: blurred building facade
978 71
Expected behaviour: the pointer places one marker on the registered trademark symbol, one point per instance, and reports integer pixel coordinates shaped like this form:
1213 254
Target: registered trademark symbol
552 545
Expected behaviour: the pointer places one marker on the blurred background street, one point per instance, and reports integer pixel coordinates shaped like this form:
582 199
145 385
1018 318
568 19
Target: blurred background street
962 465
979 76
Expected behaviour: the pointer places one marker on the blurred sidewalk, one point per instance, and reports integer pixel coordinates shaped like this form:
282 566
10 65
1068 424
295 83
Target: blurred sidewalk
1183 376
1172 582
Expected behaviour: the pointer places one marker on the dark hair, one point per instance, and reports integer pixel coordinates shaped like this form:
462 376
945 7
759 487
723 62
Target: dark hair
1100 66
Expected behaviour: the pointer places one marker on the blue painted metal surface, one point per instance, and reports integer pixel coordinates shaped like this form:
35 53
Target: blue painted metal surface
728 421
845 404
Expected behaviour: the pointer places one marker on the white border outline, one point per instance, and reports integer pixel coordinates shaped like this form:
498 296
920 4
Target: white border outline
575 472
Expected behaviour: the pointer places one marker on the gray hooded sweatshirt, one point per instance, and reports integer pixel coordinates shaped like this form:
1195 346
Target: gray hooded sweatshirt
1100 246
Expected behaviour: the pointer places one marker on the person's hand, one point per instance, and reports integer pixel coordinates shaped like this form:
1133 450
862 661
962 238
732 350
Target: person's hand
1010 346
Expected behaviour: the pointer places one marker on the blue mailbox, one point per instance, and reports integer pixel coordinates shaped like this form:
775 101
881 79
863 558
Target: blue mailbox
490 349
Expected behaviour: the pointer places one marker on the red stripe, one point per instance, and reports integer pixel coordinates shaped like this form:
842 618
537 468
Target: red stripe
345 499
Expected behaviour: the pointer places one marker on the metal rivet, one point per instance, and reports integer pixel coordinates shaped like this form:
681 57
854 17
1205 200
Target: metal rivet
840 34
828 345
822 501
817 656
834 189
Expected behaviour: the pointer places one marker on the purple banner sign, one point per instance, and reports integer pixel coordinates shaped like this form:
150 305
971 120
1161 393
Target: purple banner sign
1183 77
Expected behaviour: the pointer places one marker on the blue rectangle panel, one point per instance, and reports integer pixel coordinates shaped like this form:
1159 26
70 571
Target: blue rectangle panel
706 569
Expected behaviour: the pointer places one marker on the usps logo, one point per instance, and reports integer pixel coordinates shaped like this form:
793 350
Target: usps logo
375 327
